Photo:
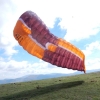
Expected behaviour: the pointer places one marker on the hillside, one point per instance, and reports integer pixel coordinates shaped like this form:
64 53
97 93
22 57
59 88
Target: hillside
78 87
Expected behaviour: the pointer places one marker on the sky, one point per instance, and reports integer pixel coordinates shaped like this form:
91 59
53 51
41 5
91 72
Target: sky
76 21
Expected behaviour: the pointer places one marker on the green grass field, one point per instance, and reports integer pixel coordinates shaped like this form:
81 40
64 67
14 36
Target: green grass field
78 87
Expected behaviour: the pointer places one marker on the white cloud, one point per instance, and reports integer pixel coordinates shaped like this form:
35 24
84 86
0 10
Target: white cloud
15 69
92 47
93 64
7 42
8 19
82 20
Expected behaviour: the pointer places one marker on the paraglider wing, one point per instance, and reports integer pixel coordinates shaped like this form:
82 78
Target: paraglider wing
34 36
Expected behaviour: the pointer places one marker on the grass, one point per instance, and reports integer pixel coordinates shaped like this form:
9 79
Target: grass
78 87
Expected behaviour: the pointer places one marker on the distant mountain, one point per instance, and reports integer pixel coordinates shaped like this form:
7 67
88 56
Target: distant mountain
38 77
31 77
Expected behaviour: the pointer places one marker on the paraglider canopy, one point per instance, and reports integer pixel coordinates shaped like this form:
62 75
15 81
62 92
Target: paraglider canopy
34 36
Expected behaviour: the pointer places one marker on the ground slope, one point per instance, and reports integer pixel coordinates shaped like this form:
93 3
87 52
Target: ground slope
79 87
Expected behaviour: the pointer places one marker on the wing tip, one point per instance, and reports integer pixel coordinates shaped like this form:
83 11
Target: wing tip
84 69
